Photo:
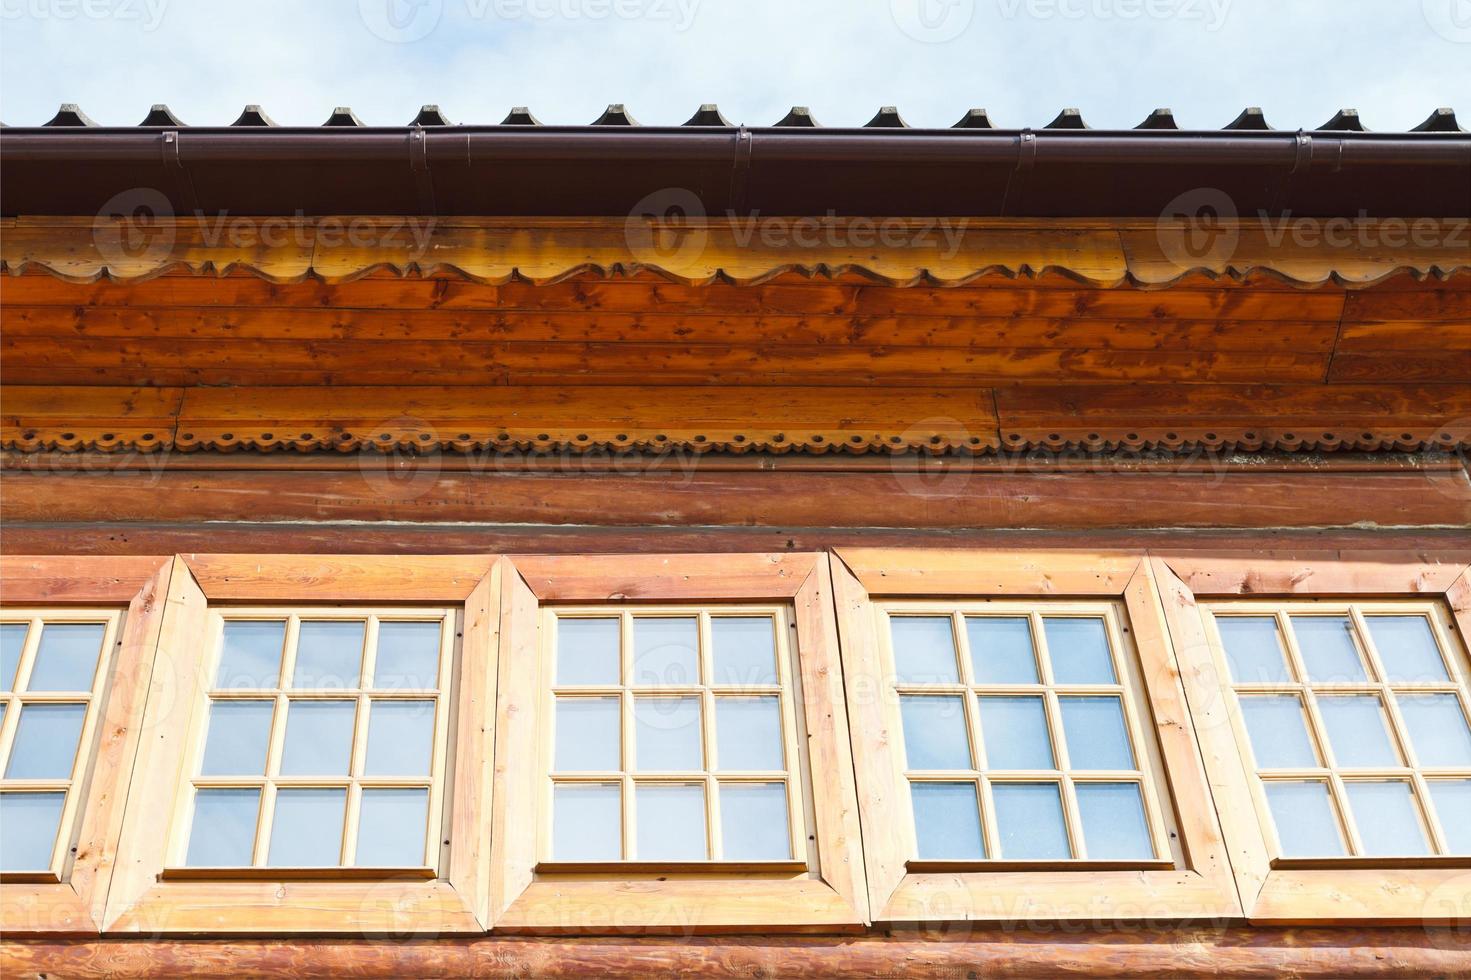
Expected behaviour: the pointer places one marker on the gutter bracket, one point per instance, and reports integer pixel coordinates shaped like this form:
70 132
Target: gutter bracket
1302 163
419 167
740 171
180 181
1026 159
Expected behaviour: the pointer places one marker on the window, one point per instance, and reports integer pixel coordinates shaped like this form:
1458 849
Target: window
317 767
677 759
1354 715
1021 732
77 639
673 736
1021 740
52 675
1332 702
321 743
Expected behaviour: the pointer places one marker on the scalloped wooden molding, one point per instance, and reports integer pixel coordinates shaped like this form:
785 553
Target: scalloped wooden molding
1287 418
888 251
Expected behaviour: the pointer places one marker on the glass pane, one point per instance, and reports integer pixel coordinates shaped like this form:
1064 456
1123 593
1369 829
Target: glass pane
947 821
408 657
924 650
587 737
667 734
745 649
329 654
1328 649
1437 728
1253 649
238 738
1304 818
1114 827
1278 730
306 831
223 832
748 733
29 823
587 822
1029 821
587 650
12 642
391 828
1387 818
1357 731
1406 648
46 738
935 734
318 738
1001 649
1096 735
250 653
666 651
671 822
1015 733
753 821
1453 805
66 660
400 738
1079 650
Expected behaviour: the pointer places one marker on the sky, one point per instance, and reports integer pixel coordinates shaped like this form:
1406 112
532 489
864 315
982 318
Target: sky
1023 60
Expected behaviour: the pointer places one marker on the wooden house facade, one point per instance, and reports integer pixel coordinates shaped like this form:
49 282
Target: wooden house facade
522 550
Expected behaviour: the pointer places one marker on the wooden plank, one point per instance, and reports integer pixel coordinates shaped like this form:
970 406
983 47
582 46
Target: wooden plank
1040 953
901 498
778 327
301 578
33 360
41 581
1445 366
615 578
908 572
71 418
1264 574
1287 417
1036 298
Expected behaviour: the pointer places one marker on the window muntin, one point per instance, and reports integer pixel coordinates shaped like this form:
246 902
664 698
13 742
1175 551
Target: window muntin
1021 739
1355 718
671 737
52 675
319 741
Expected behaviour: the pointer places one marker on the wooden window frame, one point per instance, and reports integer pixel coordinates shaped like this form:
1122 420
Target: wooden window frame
1275 891
143 899
72 900
826 896
1197 886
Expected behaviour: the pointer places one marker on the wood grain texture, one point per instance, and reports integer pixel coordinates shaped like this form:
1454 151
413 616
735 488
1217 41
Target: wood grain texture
691 497
301 578
673 578
1038 953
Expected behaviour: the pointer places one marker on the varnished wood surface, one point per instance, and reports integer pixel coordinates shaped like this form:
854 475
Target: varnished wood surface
941 953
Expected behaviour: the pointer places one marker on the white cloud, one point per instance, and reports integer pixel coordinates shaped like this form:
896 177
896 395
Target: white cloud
1022 59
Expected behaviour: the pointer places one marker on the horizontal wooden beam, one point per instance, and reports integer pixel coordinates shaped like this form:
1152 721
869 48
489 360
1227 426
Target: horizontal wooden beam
941 953
907 496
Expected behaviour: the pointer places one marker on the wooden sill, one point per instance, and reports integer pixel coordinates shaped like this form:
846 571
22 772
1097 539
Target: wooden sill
711 868
30 877
1371 863
918 866
295 874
